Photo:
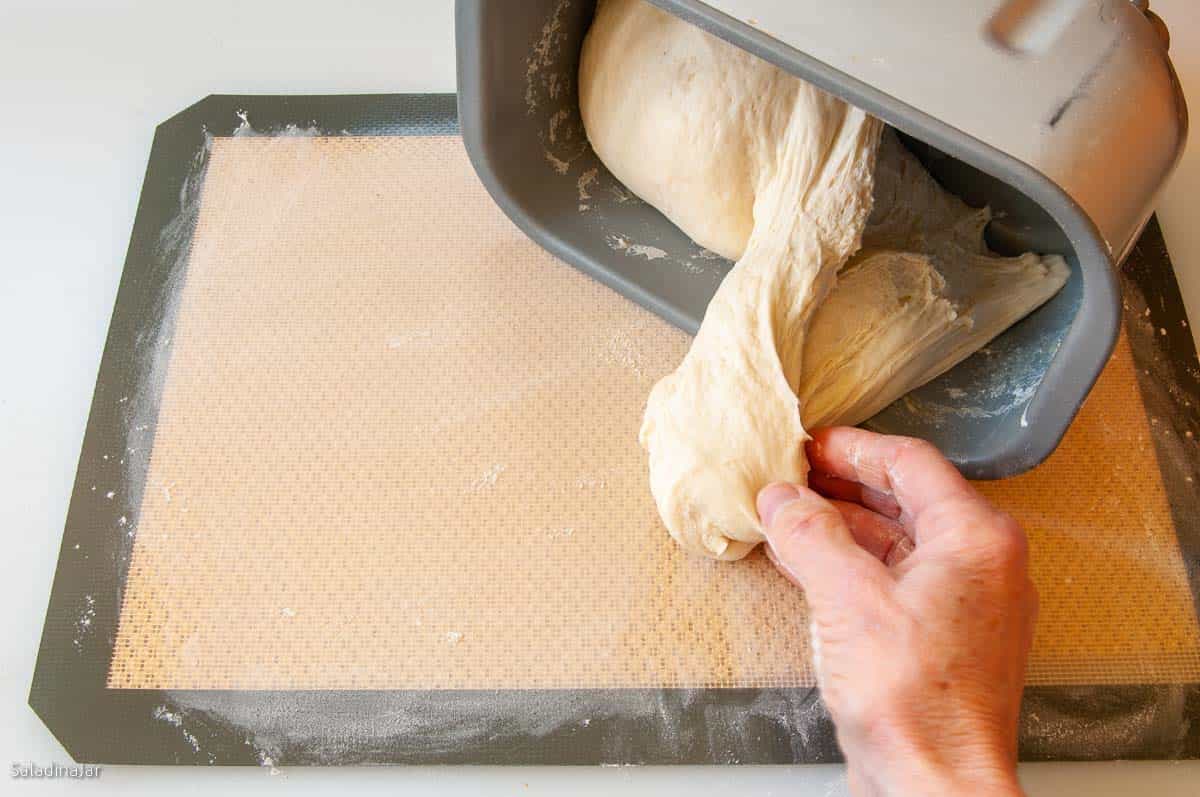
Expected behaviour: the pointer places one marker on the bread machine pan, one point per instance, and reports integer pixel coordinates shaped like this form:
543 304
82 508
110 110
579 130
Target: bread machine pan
1065 116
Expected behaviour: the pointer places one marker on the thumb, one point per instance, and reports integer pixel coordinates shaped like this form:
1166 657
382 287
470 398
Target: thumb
811 544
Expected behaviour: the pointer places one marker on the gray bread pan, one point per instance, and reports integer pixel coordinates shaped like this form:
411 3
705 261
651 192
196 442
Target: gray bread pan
1064 117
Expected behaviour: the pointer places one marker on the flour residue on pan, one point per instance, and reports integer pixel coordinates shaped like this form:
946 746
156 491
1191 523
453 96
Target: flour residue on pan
619 243
539 78
583 187
622 195
551 100
1007 384
691 265
550 94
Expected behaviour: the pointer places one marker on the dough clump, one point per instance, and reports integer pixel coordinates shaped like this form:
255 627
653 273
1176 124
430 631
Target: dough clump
796 186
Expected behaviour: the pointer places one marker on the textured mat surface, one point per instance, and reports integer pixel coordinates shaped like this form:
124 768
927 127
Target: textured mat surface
397 448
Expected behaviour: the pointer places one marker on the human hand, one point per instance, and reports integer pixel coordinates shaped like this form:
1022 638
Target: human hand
922 612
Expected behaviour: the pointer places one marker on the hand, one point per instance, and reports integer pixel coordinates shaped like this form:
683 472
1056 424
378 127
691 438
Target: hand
922 612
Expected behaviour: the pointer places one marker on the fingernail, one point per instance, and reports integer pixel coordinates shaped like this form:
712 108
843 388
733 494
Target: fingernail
772 498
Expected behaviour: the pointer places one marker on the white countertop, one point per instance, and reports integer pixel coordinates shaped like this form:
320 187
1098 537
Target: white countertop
82 86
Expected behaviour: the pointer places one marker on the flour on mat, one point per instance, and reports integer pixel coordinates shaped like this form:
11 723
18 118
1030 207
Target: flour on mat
410 338
484 717
83 625
174 719
624 348
247 130
489 478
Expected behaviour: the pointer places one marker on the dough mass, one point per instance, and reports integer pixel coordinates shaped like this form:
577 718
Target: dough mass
767 170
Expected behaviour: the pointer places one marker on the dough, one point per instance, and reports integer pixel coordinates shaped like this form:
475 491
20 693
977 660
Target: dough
922 295
721 142
763 168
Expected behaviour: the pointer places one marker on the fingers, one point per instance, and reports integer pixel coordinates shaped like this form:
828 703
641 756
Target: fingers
843 490
813 546
910 470
882 537
871 516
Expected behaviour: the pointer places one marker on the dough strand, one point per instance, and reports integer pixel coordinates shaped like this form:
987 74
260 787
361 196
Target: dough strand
769 171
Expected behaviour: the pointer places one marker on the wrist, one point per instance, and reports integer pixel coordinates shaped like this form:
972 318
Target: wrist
950 764
975 781
916 779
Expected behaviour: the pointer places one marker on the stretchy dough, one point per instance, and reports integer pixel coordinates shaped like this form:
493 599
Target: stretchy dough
763 168
922 295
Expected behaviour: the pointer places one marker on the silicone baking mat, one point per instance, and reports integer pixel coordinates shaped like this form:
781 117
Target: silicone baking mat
373 448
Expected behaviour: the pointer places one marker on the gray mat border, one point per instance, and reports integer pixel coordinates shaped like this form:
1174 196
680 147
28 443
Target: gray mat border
618 726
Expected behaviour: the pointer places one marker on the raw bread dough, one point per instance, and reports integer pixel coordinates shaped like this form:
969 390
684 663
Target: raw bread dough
922 295
763 168
717 138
